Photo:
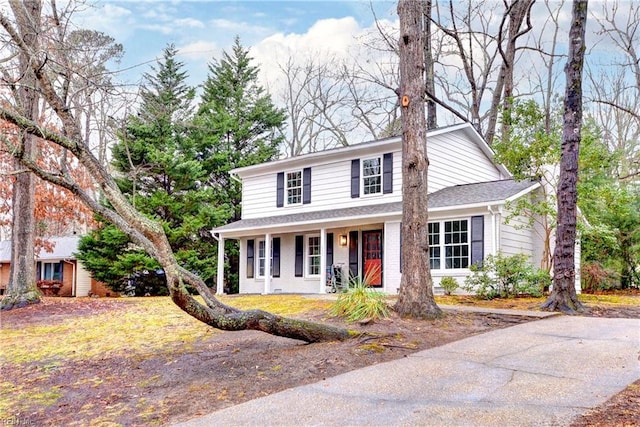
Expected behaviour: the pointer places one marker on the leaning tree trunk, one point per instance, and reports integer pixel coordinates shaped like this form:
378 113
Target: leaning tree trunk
22 289
415 298
147 233
563 296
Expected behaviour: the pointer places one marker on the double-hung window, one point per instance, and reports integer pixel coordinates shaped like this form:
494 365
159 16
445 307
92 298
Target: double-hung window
452 239
434 245
456 244
372 176
313 256
261 258
293 184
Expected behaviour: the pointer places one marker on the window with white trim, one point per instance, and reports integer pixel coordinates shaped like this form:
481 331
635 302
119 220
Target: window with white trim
434 245
51 271
450 238
293 187
260 259
313 256
372 176
456 244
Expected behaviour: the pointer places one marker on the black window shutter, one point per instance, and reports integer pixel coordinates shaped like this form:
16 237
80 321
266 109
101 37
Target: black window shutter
280 190
299 256
61 271
275 268
355 178
353 253
477 239
38 270
250 258
387 173
329 249
306 185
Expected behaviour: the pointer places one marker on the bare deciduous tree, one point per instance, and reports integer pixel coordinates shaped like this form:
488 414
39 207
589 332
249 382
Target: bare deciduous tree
563 296
22 289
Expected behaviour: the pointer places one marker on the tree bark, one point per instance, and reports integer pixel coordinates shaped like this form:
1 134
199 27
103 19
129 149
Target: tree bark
415 298
563 296
22 289
429 77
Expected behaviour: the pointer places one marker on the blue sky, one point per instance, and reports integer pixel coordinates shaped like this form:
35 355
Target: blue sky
202 29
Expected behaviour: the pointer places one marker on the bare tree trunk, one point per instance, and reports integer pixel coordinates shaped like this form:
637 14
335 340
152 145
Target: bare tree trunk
415 298
430 81
22 289
516 13
563 297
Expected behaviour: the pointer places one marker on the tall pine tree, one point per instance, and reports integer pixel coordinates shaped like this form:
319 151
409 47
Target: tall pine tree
237 125
158 169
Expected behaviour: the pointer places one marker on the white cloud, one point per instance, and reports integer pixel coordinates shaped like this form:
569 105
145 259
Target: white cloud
200 50
189 22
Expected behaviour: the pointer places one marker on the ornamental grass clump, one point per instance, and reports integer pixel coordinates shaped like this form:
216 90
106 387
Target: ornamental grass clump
361 301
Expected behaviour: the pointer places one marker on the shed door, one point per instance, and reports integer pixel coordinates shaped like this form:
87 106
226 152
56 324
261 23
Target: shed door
372 256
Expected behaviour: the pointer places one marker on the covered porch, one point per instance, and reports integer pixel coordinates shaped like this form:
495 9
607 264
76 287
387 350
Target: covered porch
303 247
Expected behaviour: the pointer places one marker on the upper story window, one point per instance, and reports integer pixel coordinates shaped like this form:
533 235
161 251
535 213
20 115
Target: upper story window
372 176
293 184
293 188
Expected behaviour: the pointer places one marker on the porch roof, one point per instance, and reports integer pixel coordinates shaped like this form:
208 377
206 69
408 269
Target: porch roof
450 198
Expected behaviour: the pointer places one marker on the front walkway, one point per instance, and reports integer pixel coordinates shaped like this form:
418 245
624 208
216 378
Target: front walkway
539 373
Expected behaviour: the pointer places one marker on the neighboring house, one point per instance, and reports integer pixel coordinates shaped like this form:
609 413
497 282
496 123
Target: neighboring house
60 265
344 207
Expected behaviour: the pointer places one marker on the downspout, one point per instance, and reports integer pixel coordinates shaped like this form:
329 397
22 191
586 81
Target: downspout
494 224
235 178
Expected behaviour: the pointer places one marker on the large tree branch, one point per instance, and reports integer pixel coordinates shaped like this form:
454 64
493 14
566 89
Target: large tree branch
134 225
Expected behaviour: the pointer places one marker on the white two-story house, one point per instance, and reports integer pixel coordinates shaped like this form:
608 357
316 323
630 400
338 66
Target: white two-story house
343 207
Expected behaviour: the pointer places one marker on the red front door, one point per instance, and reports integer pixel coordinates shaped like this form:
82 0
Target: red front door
372 256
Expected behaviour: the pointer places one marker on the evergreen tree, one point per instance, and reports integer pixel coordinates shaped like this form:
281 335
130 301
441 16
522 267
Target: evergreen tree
158 170
237 125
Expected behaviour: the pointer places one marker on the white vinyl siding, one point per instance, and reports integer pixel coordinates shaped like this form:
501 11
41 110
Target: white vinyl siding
332 176
83 281
517 238
455 160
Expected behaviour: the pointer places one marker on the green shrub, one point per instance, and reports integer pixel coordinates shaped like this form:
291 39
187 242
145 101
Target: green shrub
361 301
506 277
449 284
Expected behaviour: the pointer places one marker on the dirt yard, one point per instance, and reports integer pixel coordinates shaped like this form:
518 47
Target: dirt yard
143 380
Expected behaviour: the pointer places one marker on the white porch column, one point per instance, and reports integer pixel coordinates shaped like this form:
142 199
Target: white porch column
267 263
323 261
220 272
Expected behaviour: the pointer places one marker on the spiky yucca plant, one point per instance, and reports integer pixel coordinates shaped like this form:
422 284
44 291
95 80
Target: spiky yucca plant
361 301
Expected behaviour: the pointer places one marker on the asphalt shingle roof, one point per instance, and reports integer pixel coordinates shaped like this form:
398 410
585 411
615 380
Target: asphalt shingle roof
450 197
63 249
